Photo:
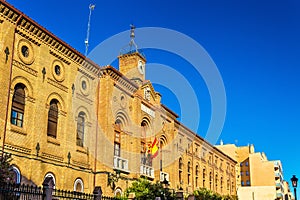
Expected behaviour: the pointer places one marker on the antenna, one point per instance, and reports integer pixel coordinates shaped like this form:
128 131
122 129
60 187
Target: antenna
86 42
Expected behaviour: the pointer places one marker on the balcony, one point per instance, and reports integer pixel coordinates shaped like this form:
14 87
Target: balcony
121 164
147 171
279 195
278 185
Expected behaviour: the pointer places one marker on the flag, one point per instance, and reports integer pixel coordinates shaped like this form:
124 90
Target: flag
154 148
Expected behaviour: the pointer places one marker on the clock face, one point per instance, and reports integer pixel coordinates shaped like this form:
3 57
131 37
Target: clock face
141 67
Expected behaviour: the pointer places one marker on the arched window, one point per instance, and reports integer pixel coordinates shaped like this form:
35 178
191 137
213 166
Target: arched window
18 105
221 183
52 118
78 185
216 182
210 180
144 126
196 173
189 172
180 169
118 192
80 129
16 176
49 174
204 175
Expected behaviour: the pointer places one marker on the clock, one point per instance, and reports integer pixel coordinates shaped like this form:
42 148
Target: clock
141 67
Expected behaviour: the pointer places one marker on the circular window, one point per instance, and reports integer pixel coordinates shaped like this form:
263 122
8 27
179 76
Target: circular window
25 51
83 85
58 71
123 101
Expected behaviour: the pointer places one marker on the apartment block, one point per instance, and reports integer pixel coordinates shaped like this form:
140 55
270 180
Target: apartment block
259 178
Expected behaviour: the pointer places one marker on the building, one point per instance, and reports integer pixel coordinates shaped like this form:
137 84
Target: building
65 117
252 167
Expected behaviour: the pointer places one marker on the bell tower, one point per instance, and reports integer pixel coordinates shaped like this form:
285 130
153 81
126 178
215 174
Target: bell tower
131 62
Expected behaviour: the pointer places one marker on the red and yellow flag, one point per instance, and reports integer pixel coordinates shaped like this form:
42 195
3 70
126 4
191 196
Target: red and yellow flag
154 148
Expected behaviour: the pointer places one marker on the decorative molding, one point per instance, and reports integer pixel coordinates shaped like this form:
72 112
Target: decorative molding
53 141
18 130
8 13
85 73
17 148
52 157
25 68
37 31
59 57
56 84
30 99
28 37
83 98
80 164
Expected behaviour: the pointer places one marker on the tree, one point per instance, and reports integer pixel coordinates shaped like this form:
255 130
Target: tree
5 168
206 194
144 189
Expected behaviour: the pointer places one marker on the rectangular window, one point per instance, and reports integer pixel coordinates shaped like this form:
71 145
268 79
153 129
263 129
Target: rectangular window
242 182
247 173
246 164
117 149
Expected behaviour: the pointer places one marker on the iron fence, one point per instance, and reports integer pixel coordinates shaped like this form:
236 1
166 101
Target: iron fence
12 191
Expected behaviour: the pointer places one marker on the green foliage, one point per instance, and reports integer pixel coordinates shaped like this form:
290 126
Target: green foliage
205 194
144 189
5 168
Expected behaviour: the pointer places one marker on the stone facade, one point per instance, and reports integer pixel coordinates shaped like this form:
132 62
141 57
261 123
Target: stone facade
84 125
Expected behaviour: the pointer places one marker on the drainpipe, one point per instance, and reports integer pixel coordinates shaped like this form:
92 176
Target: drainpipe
97 129
9 83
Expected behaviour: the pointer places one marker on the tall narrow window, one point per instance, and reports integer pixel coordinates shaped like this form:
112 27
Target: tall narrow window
117 150
216 182
221 183
52 118
197 173
80 129
18 105
204 174
189 173
210 180
180 169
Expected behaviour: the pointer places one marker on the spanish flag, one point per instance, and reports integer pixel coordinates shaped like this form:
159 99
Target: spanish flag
154 148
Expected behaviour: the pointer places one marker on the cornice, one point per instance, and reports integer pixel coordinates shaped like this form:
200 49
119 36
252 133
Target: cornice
30 29
119 78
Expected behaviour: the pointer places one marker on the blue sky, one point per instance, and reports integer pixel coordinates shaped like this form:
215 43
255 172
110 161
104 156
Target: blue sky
255 45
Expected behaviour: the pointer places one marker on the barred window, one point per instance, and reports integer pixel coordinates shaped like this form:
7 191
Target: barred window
18 105
52 118
80 129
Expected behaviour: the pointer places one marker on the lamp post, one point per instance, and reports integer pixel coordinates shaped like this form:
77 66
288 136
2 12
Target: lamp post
294 184
165 183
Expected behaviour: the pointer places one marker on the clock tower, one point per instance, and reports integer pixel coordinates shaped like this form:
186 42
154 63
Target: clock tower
132 62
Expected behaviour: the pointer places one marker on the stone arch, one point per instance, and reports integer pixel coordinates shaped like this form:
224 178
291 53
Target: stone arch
122 117
58 97
28 86
85 110
78 185
163 140
52 176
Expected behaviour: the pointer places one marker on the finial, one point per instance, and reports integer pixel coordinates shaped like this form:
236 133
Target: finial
132 28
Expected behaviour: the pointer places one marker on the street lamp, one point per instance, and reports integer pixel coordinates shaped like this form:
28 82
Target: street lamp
294 184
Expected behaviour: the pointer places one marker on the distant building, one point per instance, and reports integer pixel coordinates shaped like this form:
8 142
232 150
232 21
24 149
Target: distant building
65 117
258 177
